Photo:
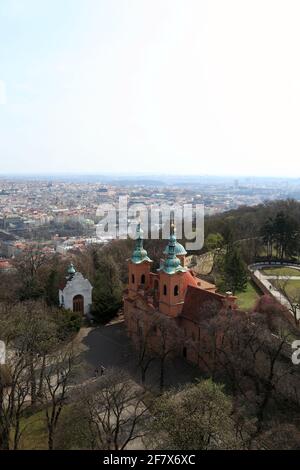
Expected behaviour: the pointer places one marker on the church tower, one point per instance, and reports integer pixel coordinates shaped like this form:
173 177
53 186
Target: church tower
139 266
180 251
171 275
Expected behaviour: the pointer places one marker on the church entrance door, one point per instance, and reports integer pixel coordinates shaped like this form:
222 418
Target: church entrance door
78 304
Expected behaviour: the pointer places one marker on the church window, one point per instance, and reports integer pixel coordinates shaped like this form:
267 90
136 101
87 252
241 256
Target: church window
176 290
143 279
132 278
165 289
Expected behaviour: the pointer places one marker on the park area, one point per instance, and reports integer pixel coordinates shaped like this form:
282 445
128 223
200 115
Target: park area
291 287
281 271
286 279
247 300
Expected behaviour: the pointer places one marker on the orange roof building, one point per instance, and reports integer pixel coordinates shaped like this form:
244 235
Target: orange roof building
174 292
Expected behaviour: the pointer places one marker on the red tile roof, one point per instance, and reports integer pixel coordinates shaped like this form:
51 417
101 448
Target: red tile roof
5 264
198 300
188 280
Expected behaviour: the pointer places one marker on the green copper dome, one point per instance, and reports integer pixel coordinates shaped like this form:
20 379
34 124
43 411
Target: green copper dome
71 269
139 254
172 264
179 249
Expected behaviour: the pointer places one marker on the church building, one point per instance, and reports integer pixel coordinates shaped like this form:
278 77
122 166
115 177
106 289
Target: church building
75 293
174 291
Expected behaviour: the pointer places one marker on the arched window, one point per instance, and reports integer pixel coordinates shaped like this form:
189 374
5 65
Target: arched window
132 278
165 289
176 290
143 279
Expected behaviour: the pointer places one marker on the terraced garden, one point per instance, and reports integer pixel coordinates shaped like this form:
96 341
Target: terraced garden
281 271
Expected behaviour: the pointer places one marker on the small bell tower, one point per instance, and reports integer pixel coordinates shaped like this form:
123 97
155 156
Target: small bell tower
171 294
139 266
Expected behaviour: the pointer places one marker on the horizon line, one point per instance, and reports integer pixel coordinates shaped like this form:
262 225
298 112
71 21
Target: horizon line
142 175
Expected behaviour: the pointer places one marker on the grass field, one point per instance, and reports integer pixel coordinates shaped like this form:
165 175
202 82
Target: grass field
247 300
291 287
282 271
35 432
35 436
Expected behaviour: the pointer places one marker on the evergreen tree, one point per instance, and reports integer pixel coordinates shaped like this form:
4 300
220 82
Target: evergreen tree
235 271
51 288
107 293
282 232
267 233
214 241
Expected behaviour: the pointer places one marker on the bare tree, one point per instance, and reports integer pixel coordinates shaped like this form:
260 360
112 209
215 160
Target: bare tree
29 334
256 361
155 336
31 259
31 330
292 297
14 397
114 410
57 378
168 341
28 265
197 417
143 338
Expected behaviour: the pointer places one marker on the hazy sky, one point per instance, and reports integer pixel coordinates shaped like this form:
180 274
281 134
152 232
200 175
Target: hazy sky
158 86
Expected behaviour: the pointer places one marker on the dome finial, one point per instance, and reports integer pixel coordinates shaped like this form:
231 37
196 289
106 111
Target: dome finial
138 231
139 253
173 249
71 269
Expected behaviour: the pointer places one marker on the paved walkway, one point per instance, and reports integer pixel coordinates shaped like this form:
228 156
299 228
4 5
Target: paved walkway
110 346
265 281
284 278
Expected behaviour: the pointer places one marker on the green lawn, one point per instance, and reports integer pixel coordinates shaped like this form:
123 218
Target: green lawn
281 271
291 287
35 436
247 300
35 432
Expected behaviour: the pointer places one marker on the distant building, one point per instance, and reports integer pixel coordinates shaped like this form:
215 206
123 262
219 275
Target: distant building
75 293
5 265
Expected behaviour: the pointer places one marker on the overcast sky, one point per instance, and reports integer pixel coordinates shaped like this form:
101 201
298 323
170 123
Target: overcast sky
157 86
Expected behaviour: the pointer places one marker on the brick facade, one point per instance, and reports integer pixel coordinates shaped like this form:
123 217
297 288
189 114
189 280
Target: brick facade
175 295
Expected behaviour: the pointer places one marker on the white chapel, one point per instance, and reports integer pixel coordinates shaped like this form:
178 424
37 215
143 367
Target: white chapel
75 293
